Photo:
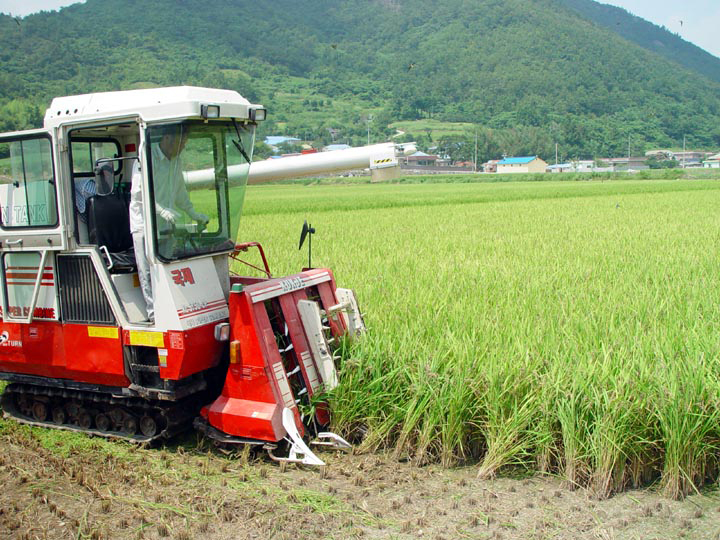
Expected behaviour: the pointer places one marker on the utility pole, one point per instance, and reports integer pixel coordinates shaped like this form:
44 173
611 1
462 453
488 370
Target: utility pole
556 152
628 161
475 160
369 119
683 159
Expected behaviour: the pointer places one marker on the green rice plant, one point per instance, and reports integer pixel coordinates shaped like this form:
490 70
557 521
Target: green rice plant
510 405
687 412
575 415
548 449
620 427
459 437
567 326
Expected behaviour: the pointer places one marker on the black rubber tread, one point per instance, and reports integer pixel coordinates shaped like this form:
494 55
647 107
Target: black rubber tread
171 417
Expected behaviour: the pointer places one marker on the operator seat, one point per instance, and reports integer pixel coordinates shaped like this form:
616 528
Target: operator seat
109 222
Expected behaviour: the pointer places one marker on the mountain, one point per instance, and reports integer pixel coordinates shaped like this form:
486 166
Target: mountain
648 35
526 73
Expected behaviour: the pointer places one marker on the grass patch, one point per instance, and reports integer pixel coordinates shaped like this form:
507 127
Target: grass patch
436 128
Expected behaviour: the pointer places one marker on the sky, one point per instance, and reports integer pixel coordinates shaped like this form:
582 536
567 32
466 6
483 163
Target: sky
700 18
20 8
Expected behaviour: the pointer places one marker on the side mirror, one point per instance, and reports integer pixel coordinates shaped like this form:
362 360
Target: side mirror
307 231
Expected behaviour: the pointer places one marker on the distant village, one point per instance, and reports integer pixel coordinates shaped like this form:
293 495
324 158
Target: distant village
534 164
421 162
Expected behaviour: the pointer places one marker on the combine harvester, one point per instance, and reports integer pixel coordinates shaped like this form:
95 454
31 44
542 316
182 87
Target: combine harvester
244 359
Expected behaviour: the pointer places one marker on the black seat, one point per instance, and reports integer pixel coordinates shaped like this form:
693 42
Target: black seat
109 229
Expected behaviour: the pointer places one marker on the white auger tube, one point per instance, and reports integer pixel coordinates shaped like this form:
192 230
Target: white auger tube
364 157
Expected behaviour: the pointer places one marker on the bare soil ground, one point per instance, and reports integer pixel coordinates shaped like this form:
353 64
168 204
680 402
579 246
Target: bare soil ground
63 485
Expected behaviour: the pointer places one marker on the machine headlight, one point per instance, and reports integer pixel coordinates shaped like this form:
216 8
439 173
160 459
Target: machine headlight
210 111
257 115
222 331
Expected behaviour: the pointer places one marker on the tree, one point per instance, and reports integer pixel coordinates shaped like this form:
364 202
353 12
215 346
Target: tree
261 151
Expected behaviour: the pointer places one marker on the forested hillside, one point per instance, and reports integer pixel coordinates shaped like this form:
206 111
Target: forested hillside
648 36
525 73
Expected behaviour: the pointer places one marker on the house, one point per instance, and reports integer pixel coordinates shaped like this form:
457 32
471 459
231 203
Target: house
422 159
466 164
490 166
691 158
528 164
713 162
582 165
637 163
561 167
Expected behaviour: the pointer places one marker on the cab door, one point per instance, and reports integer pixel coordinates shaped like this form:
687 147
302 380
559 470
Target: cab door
30 226
30 236
30 218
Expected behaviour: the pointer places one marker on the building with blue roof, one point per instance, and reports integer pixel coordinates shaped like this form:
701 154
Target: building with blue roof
526 164
516 160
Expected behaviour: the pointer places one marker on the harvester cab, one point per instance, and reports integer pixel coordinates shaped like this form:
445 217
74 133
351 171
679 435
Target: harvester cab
246 359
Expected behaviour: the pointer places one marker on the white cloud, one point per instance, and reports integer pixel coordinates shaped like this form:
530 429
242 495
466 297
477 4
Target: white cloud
20 8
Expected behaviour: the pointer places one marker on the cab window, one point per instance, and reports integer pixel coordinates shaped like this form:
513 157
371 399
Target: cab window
27 183
86 153
198 173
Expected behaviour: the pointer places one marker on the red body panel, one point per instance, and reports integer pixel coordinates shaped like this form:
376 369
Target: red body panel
97 360
248 405
92 354
63 351
33 349
256 387
257 418
190 352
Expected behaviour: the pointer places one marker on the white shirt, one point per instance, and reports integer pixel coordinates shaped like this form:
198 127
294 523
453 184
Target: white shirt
168 184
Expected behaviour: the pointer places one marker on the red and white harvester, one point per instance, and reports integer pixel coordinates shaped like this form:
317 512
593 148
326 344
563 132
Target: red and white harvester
244 359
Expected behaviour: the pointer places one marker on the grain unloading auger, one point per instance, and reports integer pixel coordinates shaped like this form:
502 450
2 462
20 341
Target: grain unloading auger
246 359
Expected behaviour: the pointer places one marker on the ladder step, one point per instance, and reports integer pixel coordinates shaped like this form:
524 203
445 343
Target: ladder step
143 367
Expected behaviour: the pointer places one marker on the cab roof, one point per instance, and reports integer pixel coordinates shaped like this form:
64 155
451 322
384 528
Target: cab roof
151 105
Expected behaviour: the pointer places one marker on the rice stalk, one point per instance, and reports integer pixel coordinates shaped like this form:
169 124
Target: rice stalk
687 412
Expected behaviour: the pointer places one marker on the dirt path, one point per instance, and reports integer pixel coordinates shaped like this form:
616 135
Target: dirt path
59 485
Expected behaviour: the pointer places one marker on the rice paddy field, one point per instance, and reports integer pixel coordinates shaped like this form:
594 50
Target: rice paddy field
532 348
561 327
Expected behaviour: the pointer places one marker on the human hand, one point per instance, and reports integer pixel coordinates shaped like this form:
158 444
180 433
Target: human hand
167 214
200 218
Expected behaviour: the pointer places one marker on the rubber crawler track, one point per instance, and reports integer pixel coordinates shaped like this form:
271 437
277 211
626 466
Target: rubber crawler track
94 413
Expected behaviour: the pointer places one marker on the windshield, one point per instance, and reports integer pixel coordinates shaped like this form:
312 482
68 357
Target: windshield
198 174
